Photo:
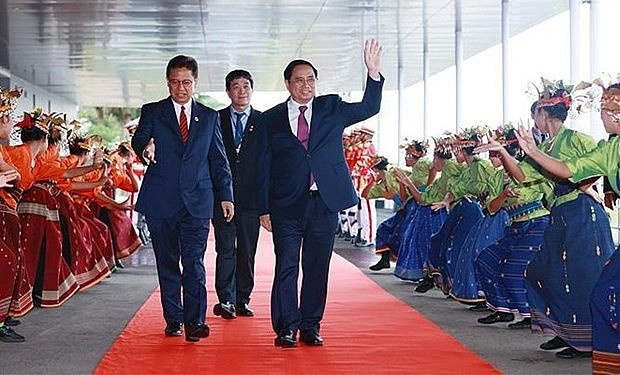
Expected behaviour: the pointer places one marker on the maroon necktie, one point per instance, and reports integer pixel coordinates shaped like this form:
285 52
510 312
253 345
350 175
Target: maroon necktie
183 125
303 133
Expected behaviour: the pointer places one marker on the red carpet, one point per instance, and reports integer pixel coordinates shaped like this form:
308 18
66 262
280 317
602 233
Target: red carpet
359 337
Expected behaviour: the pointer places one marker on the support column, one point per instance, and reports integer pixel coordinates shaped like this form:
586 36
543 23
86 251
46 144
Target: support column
575 57
458 62
505 61
596 127
401 79
425 67
575 45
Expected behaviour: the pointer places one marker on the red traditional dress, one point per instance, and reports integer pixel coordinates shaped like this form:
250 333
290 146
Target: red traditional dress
81 251
41 235
124 236
100 232
14 282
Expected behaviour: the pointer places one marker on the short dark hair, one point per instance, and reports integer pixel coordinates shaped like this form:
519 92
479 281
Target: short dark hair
238 73
182 61
288 71
32 133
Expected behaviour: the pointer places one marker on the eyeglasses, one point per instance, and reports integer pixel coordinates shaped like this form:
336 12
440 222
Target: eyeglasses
175 83
302 81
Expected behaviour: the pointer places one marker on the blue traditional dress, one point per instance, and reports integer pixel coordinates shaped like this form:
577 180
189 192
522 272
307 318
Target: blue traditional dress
389 231
605 297
501 266
577 243
446 245
489 229
412 261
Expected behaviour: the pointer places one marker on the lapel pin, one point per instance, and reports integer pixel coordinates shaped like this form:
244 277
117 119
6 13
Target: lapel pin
251 128
196 119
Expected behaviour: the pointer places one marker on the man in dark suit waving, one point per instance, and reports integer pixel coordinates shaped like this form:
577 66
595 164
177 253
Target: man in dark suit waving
303 182
235 241
183 143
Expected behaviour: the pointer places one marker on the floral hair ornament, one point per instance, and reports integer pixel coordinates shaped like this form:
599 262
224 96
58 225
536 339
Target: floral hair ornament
548 95
415 148
34 119
8 99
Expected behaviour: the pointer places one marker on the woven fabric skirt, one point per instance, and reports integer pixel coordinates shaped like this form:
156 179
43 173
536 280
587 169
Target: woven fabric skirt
42 240
605 307
412 261
390 232
488 230
447 243
561 276
500 268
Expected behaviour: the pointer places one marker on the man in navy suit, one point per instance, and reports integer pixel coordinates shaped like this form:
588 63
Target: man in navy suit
303 182
235 241
182 141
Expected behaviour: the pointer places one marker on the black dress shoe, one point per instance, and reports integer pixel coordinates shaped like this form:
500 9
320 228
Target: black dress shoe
173 329
523 324
8 335
311 337
11 322
480 306
425 285
570 353
286 339
380 265
497 317
553 344
119 264
195 331
226 310
244 310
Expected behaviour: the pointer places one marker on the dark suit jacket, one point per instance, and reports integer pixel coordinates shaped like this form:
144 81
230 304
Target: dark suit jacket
284 164
242 165
183 175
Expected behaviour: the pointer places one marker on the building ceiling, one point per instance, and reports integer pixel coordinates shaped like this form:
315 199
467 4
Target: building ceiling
114 52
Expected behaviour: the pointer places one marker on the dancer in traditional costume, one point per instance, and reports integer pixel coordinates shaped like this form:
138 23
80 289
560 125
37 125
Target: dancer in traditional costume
15 289
383 184
489 229
602 160
446 245
561 276
500 268
425 190
124 236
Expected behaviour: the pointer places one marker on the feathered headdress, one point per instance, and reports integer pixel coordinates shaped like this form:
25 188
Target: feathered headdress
416 148
445 143
549 93
610 98
34 119
8 99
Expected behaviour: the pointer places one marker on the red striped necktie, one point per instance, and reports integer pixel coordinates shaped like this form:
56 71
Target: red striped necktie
183 125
